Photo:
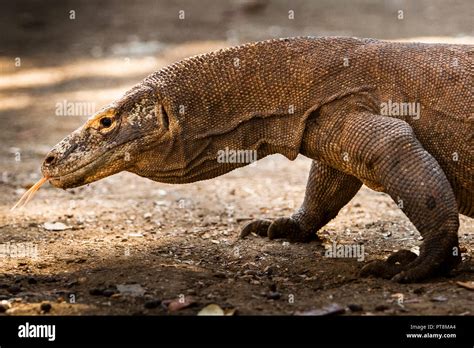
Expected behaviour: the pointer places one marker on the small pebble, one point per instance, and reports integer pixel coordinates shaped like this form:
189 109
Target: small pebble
355 308
45 307
439 299
152 304
108 292
55 226
273 295
4 305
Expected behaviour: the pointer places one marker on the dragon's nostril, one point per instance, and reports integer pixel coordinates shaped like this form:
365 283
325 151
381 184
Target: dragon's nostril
49 159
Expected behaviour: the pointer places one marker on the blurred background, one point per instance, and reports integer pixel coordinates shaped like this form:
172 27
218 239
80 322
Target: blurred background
60 61
44 28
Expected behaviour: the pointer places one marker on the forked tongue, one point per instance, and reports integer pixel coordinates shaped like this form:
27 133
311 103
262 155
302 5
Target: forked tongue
29 194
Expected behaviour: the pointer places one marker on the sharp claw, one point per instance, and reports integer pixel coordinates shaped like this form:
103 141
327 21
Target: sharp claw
260 227
274 233
396 267
279 228
245 231
399 278
284 228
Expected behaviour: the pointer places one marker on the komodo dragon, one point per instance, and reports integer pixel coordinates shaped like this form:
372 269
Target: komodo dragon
394 116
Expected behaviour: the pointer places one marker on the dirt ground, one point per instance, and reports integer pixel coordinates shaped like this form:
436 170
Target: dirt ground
132 246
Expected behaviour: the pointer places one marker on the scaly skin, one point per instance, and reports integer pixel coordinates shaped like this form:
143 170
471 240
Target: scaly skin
321 97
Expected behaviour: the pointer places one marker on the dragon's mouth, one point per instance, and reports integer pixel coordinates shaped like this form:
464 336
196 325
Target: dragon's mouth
79 176
55 181
94 169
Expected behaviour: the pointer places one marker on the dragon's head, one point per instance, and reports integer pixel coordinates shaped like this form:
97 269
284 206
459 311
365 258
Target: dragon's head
117 138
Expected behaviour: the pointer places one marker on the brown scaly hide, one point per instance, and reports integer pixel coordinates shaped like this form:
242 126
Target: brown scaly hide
283 81
277 81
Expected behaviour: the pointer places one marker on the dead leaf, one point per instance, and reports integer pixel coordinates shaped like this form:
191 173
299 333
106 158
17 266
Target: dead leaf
211 309
467 285
181 303
230 311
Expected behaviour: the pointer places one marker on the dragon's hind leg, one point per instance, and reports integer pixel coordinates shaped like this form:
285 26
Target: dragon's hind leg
385 151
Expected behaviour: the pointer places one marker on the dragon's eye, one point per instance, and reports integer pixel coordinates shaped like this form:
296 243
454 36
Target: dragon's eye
106 122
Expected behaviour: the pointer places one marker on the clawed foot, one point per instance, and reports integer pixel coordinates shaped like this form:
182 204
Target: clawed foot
286 228
394 265
406 267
